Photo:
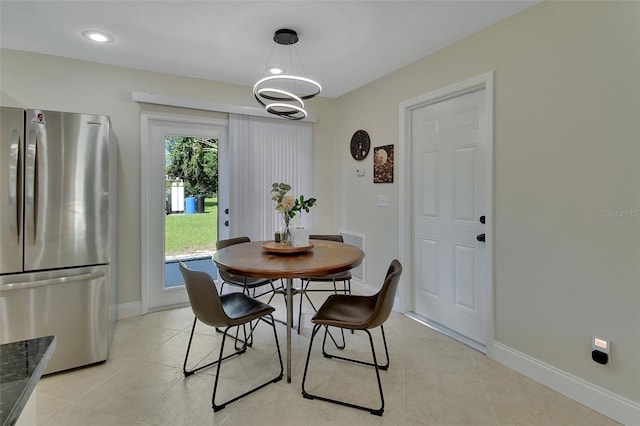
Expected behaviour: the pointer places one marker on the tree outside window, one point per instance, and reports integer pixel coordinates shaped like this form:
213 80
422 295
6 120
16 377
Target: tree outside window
195 162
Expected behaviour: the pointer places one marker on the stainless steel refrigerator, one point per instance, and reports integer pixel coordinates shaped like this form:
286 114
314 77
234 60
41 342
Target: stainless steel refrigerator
57 232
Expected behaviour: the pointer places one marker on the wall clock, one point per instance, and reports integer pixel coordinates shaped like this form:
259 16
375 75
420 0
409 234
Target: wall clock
360 145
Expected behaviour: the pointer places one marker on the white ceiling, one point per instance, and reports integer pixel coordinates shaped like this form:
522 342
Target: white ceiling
343 44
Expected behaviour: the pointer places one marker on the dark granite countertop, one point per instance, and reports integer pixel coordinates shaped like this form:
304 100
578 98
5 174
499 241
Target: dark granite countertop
21 365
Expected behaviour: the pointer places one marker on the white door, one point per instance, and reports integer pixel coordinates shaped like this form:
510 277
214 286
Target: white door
160 293
449 179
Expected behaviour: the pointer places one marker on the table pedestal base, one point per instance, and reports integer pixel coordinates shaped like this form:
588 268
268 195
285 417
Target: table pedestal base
289 320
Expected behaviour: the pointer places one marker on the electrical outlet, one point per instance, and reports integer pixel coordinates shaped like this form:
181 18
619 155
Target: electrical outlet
601 350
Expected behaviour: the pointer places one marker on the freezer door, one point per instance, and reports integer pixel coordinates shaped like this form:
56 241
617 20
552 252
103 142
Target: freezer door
66 190
69 304
11 162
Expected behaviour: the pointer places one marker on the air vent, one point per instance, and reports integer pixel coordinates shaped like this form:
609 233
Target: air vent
355 240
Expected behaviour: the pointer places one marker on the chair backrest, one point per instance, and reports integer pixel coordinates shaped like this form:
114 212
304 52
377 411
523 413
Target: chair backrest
231 241
337 238
386 295
203 296
226 276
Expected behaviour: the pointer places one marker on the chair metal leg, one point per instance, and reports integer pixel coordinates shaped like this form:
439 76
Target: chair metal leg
218 407
188 373
255 296
347 290
246 342
316 327
307 395
386 351
303 290
338 346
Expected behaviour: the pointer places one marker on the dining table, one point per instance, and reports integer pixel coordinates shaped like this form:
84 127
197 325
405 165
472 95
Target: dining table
268 259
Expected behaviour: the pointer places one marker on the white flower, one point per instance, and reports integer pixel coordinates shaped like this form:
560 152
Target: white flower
288 202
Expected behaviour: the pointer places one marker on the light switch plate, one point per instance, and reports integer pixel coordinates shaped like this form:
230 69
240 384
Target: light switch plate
360 171
383 201
601 344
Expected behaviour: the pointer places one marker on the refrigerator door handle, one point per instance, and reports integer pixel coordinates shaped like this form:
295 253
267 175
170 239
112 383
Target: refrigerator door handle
51 281
30 186
14 161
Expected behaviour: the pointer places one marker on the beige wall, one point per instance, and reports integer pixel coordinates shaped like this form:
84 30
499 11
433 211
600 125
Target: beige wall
47 82
567 150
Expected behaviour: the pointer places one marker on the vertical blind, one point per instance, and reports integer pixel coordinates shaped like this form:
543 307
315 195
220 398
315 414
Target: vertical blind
263 151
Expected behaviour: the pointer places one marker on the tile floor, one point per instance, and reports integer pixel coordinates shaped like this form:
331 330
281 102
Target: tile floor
432 380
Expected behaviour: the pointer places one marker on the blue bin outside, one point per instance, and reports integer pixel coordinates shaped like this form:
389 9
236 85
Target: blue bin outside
190 205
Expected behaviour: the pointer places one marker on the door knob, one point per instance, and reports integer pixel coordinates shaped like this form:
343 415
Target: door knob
482 219
480 237
226 211
226 223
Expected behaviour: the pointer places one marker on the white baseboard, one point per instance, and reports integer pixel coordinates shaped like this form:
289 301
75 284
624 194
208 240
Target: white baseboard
599 399
359 287
128 310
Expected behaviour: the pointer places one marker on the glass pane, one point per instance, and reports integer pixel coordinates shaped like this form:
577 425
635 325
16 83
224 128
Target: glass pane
191 220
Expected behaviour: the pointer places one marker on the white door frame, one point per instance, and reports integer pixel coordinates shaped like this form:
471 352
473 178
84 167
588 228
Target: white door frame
405 200
151 172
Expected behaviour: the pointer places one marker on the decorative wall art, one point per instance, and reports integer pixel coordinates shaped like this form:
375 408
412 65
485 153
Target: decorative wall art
383 164
360 144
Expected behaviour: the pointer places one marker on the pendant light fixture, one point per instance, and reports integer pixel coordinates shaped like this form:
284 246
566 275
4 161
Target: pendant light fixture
283 93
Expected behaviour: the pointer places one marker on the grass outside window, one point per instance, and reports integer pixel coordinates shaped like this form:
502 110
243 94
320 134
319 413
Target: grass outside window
192 233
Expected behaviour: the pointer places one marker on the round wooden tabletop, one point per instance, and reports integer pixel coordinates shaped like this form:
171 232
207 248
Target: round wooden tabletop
251 260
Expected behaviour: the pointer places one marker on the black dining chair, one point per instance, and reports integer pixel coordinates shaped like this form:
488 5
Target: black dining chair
226 311
306 287
248 284
354 312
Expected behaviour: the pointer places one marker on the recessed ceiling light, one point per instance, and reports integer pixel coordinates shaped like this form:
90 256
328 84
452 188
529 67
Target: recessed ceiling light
97 36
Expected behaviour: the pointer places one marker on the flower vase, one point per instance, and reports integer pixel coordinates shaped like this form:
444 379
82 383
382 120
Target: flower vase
287 229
